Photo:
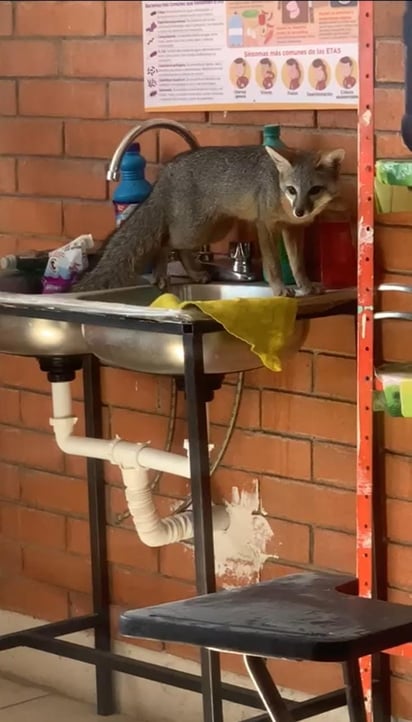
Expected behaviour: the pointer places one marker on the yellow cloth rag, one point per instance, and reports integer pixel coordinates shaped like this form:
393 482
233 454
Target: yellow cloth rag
265 324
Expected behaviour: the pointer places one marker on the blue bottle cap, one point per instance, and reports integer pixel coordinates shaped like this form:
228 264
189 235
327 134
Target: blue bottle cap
134 148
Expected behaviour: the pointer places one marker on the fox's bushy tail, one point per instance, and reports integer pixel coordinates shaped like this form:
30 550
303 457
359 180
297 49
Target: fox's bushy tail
128 249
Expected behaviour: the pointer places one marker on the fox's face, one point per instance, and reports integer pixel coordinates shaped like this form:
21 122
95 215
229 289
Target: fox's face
308 182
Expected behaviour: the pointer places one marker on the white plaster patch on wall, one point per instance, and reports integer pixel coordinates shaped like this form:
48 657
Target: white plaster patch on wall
366 117
240 552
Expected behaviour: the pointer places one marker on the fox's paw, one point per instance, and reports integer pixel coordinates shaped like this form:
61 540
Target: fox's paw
161 282
282 290
200 276
311 289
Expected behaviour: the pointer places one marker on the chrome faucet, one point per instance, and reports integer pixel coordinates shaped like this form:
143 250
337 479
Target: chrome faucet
113 174
237 265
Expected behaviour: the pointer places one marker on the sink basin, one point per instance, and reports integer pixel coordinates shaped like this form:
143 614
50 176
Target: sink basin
157 352
22 336
26 336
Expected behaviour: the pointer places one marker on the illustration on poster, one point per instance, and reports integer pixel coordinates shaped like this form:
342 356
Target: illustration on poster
266 73
346 65
294 11
241 73
321 74
260 31
294 73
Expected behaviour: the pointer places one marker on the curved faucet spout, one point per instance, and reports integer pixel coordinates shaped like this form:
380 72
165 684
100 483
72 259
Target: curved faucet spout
113 173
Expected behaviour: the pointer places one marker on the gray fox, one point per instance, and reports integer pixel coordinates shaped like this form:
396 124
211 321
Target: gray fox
201 192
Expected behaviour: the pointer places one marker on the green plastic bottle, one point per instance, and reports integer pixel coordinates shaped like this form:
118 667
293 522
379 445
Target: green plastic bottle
271 137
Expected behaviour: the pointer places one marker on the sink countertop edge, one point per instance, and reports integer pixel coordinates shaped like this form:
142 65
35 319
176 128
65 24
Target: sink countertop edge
73 304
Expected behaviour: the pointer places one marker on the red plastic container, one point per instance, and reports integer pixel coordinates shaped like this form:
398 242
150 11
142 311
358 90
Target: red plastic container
330 253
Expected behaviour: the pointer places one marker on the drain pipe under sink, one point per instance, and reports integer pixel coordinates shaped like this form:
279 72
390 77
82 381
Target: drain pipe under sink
134 461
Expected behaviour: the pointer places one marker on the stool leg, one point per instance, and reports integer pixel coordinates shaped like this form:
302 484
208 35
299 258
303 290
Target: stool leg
354 691
268 692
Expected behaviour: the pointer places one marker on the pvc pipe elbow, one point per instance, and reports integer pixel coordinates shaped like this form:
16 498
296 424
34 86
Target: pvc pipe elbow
150 527
134 461
63 429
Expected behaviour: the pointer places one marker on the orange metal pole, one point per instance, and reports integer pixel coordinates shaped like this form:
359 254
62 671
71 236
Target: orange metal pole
365 366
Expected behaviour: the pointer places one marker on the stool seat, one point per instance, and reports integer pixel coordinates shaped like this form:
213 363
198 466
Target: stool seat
311 616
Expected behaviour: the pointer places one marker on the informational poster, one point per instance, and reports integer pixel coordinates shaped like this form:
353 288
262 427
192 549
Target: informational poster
233 55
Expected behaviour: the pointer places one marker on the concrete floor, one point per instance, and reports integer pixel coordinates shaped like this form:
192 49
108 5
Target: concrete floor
19 702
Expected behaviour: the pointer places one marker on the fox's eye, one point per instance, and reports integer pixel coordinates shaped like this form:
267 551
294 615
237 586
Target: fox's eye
315 190
291 190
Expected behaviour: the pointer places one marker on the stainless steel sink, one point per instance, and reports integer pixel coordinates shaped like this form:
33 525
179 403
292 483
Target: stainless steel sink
22 336
32 326
157 352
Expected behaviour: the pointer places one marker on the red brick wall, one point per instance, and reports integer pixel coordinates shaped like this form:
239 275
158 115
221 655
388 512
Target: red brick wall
70 87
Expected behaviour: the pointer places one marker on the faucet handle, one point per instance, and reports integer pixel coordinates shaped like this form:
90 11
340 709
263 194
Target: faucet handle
205 255
240 253
240 250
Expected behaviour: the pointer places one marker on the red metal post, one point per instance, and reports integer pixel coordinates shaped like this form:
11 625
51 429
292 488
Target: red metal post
365 365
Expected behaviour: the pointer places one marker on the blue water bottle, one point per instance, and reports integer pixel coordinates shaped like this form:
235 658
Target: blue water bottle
133 188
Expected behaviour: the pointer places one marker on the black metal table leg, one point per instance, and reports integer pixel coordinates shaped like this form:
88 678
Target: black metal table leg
354 691
202 509
98 545
275 705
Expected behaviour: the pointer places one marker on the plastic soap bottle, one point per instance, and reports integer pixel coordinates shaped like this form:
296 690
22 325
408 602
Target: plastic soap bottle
133 188
271 137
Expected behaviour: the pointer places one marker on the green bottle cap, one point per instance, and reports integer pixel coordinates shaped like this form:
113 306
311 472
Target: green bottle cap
271 135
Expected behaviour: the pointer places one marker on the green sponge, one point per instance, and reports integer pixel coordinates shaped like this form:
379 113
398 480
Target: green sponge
405 389
394 172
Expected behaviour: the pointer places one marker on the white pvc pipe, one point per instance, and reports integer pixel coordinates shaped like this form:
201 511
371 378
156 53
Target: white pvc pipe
122 453
186 444
134 461
164 461
151 528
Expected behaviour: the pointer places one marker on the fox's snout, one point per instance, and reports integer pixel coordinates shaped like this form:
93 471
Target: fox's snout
305 205
300 211
302 205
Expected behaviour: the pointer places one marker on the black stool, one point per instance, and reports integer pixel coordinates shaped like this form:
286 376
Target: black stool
306 616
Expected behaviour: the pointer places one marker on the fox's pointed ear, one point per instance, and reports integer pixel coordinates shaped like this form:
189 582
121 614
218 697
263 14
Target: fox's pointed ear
282 164
331 158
